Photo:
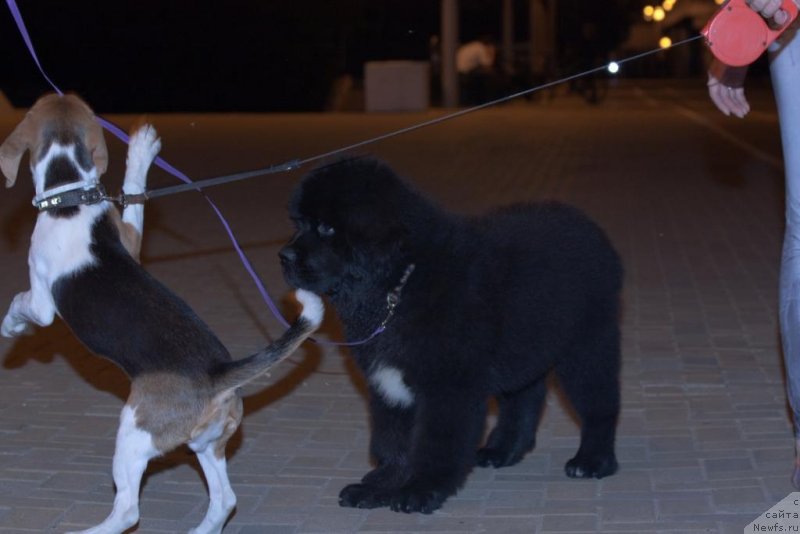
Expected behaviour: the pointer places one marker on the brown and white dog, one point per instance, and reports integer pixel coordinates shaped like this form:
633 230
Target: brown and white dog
83 268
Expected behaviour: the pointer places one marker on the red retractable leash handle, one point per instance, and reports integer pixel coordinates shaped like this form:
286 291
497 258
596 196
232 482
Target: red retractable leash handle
737 35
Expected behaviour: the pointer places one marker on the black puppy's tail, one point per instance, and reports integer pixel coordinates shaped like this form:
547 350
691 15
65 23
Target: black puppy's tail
239 372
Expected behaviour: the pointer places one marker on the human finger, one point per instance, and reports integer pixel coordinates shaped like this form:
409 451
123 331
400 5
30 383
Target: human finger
715 92
726 97
780 18
739 105
770 8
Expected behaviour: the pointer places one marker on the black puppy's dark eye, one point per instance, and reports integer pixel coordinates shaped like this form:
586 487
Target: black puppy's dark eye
325 230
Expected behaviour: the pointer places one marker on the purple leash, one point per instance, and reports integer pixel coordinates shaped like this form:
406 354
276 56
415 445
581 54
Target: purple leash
116 131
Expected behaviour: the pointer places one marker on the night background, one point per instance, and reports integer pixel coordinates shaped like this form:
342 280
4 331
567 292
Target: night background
693 201
249 56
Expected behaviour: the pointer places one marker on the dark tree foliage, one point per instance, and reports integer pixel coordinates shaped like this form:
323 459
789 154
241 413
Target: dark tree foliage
155 55
588 31
240 55
611 20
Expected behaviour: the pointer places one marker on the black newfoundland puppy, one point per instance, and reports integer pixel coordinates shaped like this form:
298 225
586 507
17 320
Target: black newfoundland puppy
490 306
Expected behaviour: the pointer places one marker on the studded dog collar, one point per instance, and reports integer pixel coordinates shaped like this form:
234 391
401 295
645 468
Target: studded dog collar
80 193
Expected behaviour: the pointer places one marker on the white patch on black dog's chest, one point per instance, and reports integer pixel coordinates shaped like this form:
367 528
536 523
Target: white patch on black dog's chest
388 381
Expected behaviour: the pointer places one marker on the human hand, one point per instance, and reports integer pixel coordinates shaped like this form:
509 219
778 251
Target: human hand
770 10
726 88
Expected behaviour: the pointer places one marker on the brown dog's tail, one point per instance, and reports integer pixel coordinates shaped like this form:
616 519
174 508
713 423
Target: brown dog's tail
239 372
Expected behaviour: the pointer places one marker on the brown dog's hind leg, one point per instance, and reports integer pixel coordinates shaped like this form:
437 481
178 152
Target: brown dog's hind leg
211 455
133 451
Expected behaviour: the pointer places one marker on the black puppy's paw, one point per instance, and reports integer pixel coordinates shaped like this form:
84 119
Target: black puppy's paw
416 498
591 466
386 476
496 457
362 496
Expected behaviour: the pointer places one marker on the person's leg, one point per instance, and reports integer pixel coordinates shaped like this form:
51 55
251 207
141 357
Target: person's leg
785 69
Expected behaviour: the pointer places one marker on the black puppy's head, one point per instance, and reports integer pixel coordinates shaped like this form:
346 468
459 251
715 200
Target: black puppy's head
353 220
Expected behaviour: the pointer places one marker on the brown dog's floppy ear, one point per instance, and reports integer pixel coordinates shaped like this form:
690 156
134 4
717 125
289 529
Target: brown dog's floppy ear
97 146
14 146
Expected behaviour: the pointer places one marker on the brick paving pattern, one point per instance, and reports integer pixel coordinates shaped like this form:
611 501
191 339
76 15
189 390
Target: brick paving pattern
693 202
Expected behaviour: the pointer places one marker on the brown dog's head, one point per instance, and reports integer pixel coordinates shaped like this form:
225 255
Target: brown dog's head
66 120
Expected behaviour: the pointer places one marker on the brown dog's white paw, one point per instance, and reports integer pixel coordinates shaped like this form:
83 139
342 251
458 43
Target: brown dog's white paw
143 148
13 327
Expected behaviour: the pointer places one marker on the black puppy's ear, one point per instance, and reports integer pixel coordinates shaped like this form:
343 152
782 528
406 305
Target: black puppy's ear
376 229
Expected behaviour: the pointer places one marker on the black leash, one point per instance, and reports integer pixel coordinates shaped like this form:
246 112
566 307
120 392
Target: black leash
92 195
199 185
210 182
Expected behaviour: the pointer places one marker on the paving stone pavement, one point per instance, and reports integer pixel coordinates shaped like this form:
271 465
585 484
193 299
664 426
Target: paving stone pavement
693 202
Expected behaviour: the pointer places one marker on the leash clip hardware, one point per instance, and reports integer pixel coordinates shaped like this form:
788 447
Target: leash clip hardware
124 200
94 195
